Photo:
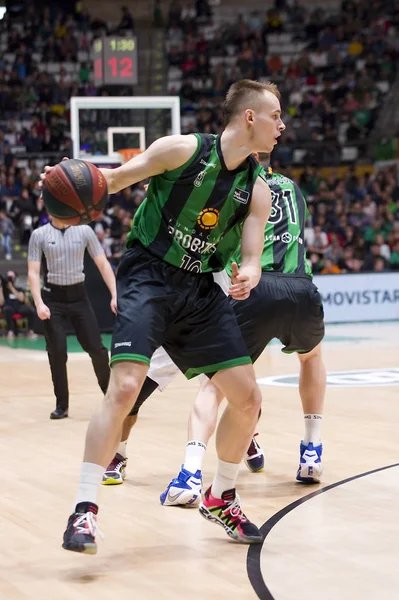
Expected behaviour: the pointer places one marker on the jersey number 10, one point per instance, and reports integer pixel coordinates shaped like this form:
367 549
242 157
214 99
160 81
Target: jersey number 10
285 198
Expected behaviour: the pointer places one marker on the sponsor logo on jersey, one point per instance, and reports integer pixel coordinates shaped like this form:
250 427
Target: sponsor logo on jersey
277 178
193 243
342 379
198 181
208 218
285 237
241 196
203 162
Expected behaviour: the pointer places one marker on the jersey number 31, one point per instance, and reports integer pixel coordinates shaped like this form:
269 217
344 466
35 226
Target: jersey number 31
285 198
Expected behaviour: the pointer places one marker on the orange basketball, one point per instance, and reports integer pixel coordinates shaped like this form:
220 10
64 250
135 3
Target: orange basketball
75 192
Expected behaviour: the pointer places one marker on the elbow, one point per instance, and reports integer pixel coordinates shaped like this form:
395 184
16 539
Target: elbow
109 175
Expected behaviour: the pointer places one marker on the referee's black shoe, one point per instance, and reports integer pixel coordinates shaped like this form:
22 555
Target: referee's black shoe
59 413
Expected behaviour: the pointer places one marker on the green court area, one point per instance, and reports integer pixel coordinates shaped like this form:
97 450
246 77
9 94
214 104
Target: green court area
74 346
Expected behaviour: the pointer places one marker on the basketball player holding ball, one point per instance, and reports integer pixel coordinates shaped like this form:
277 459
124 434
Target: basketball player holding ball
63 294
205 195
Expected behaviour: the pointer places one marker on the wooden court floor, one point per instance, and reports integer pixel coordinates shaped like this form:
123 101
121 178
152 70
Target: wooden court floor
341 543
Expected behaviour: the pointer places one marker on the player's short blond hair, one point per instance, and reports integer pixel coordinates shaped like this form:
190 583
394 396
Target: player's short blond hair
242 94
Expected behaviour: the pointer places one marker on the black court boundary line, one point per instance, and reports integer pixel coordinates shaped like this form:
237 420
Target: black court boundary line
254 552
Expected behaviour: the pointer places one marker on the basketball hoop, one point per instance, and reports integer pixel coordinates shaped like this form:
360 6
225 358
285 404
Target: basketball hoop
128 153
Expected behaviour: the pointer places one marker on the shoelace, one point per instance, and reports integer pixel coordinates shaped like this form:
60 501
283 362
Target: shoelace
115 464
235 509
88 521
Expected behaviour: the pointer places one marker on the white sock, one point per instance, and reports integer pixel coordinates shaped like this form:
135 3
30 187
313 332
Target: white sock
225 478
122 449
91 476
312 429
194 457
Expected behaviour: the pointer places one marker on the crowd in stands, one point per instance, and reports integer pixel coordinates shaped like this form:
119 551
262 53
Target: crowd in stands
332 87
333 70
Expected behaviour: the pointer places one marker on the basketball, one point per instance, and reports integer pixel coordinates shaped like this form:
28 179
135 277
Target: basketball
75 192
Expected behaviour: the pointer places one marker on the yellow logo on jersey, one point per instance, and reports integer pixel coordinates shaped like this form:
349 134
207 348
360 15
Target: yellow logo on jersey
208 218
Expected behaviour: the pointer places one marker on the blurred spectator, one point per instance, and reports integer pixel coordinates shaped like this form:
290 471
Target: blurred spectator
6 230
126 22
316 240
329 268
14 301
380 265
394 260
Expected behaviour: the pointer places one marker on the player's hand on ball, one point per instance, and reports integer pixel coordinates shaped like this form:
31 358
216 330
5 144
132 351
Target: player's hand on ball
241 284
43 312
46 170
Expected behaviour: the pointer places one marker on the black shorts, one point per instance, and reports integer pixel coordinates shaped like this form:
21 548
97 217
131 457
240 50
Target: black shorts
186 313
283 306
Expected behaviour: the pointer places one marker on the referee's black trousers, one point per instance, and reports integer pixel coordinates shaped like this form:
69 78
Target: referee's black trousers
71 302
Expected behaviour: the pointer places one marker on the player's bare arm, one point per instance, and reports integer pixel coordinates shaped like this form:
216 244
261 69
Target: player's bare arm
248 274
165 154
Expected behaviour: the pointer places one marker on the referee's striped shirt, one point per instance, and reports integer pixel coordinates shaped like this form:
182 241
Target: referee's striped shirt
64 250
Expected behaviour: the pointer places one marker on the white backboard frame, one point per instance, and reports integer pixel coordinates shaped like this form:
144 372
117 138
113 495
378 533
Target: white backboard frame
117 102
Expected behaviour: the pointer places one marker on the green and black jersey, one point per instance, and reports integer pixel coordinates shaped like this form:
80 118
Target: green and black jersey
192 216
284 247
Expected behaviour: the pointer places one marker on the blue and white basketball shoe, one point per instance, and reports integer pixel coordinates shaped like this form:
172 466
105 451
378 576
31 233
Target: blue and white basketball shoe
310 464
184 490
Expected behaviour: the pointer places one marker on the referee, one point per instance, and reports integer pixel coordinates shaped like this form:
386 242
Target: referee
64 295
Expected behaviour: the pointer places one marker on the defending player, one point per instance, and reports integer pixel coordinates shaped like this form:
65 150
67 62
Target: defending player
285 305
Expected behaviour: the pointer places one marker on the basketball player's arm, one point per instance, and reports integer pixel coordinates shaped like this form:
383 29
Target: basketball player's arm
247 276
167 153
102 264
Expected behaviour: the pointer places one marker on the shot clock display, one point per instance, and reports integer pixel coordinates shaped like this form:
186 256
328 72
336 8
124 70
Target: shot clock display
115 60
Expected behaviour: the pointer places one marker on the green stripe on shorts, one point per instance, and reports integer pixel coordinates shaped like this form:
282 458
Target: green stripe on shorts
227 364
137 357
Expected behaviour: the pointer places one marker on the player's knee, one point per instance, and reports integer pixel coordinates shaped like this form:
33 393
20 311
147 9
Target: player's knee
251 401
125 391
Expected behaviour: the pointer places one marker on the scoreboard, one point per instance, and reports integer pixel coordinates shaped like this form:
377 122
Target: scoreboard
115 60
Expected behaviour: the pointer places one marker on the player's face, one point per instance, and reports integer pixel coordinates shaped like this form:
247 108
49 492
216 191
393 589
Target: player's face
267 124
